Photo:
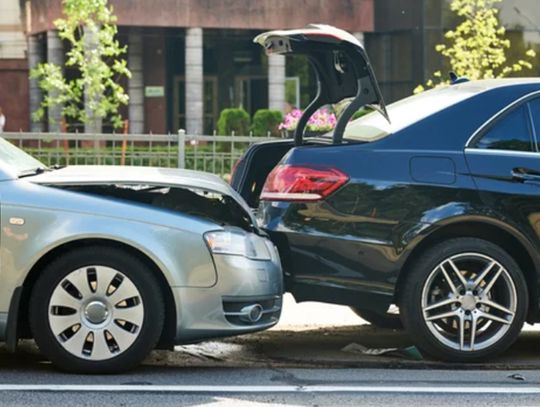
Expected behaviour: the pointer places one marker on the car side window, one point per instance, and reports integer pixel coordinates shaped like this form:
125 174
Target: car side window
535 115
511 132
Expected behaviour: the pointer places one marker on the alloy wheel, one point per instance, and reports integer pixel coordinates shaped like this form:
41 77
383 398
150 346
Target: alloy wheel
469 301
96 313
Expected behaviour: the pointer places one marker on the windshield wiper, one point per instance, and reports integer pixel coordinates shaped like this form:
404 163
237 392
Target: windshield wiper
31 172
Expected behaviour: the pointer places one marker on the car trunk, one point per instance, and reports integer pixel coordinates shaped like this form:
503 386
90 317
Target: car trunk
343 73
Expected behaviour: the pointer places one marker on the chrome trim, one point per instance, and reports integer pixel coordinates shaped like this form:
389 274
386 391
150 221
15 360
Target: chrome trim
501 112
493 151
16 221
275 308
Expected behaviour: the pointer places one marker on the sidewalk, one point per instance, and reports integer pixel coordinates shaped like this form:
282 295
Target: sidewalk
306 315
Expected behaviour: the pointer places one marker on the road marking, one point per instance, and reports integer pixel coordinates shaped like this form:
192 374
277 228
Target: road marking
126 388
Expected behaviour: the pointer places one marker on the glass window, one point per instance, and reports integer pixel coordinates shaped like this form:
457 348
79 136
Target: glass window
17 159
509 133
535 113
406 112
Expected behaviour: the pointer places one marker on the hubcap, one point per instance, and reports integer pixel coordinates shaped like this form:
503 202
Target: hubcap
96 313
469 301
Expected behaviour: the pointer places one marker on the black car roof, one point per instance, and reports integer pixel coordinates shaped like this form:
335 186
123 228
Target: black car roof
487 84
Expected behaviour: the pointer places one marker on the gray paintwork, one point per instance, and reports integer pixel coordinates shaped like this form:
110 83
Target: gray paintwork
173 241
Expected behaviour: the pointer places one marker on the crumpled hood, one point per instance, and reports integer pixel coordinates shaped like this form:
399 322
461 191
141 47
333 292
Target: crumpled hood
113 175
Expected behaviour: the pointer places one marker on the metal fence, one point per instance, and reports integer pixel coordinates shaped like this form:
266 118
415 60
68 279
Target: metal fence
216 154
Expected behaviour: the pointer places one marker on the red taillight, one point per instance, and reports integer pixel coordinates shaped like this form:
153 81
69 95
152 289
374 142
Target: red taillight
296 183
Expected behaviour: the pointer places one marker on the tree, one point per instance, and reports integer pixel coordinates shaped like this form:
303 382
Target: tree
89 26
477 47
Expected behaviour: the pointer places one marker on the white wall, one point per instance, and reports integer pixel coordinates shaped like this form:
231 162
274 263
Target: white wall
12 41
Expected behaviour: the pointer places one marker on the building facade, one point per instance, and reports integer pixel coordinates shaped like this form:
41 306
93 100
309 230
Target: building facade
402 45
192 58
13 66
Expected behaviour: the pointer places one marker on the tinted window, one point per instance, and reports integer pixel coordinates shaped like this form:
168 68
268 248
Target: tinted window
535 111
509 133
405 112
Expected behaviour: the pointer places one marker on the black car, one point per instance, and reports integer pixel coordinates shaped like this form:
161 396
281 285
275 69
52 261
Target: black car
431 204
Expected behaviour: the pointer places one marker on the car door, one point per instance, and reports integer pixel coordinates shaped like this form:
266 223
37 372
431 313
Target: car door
504 161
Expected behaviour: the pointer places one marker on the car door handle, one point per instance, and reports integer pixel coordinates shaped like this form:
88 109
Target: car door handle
521 174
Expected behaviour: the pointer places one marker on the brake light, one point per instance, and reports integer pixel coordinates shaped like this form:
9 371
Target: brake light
299 183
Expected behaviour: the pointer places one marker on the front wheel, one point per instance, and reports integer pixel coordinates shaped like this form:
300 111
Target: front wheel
96 310
464 300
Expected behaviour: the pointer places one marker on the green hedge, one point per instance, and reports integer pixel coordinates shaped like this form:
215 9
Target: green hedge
233 119
266 120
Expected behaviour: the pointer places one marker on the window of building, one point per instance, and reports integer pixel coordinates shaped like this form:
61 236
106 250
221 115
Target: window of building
392 56
511 132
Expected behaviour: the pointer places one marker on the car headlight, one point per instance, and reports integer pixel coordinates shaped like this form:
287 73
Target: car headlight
238 243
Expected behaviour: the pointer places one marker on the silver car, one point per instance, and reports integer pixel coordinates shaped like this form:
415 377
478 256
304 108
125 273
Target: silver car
100 265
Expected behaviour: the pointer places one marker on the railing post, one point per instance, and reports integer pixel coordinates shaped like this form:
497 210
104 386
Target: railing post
181 148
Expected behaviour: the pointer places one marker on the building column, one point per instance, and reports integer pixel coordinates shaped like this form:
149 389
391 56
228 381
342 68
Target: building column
93 124
136 83
55 55
35 57
276 82
194 81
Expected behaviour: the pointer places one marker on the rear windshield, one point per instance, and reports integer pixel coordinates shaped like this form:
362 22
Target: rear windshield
373 126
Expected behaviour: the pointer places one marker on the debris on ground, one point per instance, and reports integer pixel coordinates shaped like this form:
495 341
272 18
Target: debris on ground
517 376
409 352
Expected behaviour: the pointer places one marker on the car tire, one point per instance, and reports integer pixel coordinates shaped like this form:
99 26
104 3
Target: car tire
459 322
384 320
109 303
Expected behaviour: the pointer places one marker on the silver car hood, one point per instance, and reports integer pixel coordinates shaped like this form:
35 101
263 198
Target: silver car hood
114 175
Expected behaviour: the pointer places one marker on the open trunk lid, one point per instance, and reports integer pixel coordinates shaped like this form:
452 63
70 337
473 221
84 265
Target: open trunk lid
343 72
342 68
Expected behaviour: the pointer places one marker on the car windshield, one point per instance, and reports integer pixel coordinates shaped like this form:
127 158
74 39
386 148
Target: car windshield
373 126
22 163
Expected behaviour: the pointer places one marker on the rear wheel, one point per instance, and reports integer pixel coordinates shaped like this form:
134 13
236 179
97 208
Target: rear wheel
464 300
96 310
386 320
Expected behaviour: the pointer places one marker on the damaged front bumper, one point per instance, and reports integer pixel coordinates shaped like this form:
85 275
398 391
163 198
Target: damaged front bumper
247 297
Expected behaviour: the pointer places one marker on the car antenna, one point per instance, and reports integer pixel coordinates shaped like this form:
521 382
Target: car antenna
454 79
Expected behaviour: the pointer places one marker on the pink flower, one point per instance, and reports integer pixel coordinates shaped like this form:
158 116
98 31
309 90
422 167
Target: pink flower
321 120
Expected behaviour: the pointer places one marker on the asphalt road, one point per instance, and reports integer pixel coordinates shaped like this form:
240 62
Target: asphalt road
302 362
188 386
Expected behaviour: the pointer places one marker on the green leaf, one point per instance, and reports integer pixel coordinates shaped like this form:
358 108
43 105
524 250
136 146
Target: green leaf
477 46
93 94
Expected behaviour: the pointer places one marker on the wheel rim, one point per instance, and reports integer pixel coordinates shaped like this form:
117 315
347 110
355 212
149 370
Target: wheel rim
469 302
96 313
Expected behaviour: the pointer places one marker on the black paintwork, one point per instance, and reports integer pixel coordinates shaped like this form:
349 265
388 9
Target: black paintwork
412 188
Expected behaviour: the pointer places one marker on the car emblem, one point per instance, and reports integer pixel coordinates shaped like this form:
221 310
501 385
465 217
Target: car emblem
16 221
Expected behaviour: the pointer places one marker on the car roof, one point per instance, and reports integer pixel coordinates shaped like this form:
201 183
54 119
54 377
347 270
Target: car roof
451 127
487 84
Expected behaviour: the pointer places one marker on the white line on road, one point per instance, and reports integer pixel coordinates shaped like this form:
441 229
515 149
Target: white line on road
517 389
